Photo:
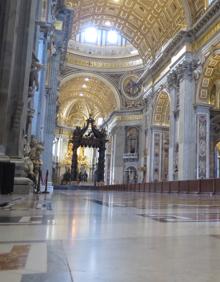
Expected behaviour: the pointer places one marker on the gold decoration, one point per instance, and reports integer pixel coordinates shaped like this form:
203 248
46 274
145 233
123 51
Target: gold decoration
104 63
205 38
148 25
82 95
210 74
68 156
82 159
161 115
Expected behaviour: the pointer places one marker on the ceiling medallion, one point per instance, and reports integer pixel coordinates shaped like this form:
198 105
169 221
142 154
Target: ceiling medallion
130 88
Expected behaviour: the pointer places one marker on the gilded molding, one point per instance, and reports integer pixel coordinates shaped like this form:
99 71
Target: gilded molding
100 64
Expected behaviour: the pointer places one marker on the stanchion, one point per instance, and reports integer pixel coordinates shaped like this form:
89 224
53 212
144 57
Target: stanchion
213 187
46 182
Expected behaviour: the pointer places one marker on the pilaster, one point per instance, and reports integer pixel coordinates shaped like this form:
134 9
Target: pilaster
118 164
173 85
19 80
203 141
187 127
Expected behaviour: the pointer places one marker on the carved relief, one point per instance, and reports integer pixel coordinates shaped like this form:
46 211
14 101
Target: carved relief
157 155
134 104
202 140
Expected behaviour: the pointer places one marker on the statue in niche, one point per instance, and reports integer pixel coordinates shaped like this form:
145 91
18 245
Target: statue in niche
35 68
132 140
131 175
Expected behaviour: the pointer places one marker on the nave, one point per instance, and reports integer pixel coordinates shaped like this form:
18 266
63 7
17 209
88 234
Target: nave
93 236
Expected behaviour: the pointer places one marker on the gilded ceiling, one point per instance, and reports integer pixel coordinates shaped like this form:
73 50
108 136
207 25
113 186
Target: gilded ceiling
210 74
84 95
147 24
161 115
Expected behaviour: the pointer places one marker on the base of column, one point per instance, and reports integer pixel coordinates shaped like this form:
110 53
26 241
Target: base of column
4 158
22 185
19 166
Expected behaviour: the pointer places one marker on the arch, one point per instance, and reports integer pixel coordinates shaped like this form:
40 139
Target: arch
86 92
206 80
100 77
160 137
161 109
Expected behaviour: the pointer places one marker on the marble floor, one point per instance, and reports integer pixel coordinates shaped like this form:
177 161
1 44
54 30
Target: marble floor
86 236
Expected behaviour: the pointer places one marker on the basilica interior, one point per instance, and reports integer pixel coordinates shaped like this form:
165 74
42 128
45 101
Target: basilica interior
109 140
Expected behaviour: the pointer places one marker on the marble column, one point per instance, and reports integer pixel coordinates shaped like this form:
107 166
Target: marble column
112 158
187 122
119 147
148 132
16 57
55 60
108 160
8 22
20 77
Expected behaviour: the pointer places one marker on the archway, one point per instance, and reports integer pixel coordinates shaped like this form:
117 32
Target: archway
208 115
160 137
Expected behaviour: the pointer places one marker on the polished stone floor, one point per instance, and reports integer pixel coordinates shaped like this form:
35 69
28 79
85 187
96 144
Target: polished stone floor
86 236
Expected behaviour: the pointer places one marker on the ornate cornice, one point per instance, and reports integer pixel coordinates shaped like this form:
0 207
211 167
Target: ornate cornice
103 64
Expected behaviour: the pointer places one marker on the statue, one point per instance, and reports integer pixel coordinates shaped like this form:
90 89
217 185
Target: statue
35 68
32 158
28 164
35 153
82 160
68 156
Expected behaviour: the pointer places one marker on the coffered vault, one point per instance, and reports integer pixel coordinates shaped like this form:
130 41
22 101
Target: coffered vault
84 94
147 24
